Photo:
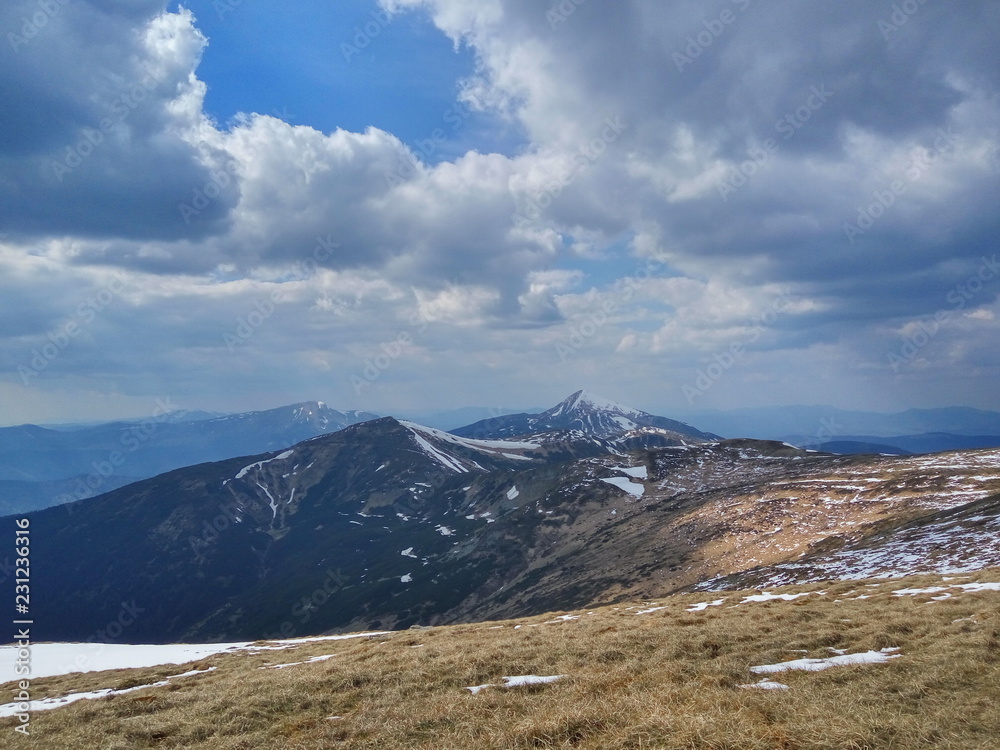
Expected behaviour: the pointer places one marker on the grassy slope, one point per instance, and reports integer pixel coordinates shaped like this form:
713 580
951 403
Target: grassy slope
666 679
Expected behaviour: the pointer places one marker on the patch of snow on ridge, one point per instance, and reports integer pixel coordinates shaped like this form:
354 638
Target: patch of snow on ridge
281 457
443 458
623 483
512 492
491 446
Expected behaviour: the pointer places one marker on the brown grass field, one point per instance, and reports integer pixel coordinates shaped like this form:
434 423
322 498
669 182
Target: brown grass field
664 679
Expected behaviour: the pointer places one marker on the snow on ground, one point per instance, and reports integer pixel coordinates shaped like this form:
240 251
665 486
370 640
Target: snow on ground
408 552
521 681
638 472
624 483
444 531
51 659
280 457
297 663
936 589
512 492
45 704
815 665
649 611
406 579
766 597
955 545
764 684
700 606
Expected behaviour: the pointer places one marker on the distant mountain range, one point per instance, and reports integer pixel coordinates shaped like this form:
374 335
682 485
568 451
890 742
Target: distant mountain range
816 424
42 466
388 524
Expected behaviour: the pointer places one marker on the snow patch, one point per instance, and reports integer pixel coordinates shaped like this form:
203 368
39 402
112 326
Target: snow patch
280 457
46 704
520 681
815 665
623 483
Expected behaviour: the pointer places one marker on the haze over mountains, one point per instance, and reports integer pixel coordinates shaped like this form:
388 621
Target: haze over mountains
42 466
388 524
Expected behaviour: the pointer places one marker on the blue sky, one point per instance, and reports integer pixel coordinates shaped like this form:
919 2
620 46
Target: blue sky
346 65
419 204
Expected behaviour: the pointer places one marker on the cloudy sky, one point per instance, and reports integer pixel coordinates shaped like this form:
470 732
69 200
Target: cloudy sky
418 204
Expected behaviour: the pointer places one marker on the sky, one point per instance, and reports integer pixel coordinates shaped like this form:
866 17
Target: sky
429 204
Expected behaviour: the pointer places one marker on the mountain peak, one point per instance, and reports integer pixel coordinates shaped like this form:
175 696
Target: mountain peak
585 401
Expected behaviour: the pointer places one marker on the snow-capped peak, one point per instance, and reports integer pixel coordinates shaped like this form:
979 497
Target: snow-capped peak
584 401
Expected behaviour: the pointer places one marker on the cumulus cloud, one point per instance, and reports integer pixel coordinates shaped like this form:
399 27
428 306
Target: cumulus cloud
100 103
708 157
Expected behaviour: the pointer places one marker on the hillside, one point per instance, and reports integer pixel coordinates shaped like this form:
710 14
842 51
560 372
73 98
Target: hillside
387 524
902 664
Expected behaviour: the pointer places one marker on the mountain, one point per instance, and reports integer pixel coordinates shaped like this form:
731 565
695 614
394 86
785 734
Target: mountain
586 413
820 423
858 447
388 524
932 442
54 466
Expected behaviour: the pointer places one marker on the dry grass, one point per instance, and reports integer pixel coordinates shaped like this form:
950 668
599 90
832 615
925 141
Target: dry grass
666 679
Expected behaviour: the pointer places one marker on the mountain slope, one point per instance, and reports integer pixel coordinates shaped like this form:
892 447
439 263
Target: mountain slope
386 524
86 461
586 413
